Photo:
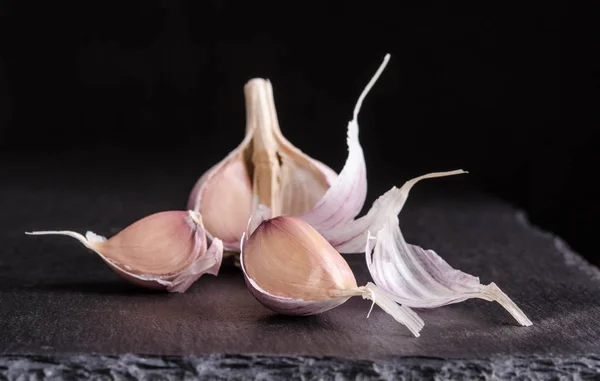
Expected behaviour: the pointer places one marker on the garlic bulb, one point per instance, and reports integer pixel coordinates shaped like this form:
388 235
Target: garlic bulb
166 250
266 169
291 269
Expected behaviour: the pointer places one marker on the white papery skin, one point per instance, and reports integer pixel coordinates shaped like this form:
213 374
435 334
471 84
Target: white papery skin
346 197
166 250
416 277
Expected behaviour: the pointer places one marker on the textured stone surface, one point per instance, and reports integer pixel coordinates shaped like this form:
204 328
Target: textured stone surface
59 299
219 367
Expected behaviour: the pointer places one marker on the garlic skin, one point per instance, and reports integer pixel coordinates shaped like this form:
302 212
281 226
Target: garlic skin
291 269
266 169
166 250
422 279
410 275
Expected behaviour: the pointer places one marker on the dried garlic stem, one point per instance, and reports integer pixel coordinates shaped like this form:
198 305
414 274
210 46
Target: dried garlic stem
493 293
264 155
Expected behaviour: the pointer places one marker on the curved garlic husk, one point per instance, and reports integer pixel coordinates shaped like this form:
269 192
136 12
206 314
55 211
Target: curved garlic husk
166 250
420 278
267 169
411 275
291 269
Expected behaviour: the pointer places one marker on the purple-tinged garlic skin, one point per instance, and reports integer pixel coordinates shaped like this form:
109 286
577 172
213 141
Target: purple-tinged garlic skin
291 306
420 278
291 269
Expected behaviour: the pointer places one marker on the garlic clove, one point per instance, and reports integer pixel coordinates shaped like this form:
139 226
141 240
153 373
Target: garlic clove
223 192
227 202
307 268
291 269
283 179
166 250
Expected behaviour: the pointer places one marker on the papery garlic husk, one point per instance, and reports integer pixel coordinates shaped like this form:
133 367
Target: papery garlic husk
166 250
420 278
410 275
267 169
291 269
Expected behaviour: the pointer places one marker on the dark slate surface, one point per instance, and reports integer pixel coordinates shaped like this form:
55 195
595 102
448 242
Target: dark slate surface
60 304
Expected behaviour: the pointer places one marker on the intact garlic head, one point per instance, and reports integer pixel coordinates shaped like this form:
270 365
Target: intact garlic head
291 269
166 250
266 169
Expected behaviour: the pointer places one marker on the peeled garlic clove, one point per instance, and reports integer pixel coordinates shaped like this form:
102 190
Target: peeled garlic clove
266 169
291 269
166 250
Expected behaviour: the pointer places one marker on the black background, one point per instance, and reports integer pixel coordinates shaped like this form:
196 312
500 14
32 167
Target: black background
474 86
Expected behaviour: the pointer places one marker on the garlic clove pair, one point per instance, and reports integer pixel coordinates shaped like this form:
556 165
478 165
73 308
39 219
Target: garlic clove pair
166 250
266 169
291 269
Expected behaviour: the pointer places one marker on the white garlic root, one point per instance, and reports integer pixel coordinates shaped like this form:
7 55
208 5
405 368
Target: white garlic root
166 250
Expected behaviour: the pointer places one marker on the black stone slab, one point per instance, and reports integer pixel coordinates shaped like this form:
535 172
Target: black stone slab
59 303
